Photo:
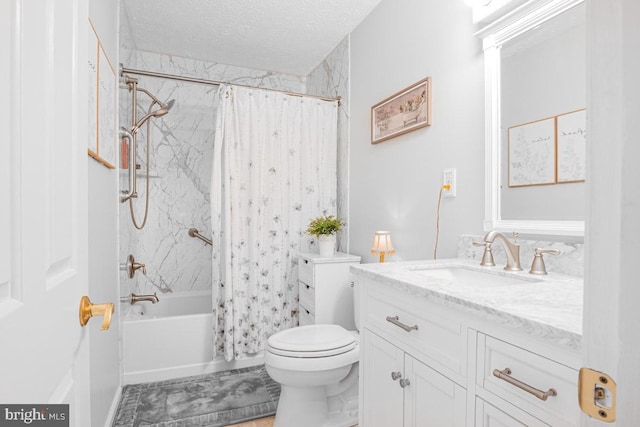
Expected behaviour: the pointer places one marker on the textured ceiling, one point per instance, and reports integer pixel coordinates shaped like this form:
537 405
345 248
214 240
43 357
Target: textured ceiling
287 36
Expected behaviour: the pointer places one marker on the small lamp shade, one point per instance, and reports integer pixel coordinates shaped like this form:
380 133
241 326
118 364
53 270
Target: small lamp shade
382 244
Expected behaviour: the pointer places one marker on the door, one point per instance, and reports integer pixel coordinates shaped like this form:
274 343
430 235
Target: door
382 395
431 399
43 202
611 315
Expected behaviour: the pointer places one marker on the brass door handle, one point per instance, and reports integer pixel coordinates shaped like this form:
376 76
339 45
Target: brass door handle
88 310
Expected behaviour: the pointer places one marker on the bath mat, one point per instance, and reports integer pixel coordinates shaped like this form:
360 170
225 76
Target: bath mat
211 400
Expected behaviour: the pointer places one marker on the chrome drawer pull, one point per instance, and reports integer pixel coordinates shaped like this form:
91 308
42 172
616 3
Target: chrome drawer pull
404 382
395 320
396 375
506 376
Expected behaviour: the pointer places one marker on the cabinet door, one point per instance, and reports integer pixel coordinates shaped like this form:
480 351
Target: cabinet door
382 396
431 399
488 415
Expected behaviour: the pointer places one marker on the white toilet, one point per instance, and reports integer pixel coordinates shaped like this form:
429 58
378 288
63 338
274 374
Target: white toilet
317 368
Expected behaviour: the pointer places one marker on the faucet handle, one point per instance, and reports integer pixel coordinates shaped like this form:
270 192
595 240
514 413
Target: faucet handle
132 266
515 236
537 266
487 255
137 265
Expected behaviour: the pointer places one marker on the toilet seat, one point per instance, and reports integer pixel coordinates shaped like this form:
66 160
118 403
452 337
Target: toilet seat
312 341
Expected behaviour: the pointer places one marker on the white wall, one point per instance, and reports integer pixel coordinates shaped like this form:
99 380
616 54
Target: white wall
394 185
103 245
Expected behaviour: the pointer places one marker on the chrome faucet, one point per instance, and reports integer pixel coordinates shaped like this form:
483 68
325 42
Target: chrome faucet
137 298
512 249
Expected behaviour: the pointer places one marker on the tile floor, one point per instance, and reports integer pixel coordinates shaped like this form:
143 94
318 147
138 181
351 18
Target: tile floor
262 422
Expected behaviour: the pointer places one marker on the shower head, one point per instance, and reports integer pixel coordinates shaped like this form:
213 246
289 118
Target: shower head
164 109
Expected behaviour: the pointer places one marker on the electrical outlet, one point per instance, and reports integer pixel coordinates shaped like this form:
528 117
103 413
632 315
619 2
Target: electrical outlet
449 178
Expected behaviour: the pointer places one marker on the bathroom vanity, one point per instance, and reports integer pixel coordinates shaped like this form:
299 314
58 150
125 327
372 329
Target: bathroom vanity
450 343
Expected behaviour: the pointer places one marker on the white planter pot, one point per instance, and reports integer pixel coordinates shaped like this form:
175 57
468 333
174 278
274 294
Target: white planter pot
327 245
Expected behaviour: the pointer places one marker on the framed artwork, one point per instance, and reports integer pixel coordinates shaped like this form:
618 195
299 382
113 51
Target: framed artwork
94 47
572 146
532 153
106 110
403 112
102 138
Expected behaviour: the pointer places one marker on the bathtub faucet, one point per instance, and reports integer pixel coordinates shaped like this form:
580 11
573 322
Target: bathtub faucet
137 298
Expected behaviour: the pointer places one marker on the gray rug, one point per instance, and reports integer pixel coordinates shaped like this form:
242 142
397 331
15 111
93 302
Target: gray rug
217 399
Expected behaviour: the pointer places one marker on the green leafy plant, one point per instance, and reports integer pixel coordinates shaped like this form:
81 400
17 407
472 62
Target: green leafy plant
325 225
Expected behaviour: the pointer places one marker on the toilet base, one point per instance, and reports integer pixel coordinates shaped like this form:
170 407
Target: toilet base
321 406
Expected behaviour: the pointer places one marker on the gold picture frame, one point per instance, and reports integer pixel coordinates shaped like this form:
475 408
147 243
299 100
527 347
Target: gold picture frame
402 112
102 138
532 153
571 147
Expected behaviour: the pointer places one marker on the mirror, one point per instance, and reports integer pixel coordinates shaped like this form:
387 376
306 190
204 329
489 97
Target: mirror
535 75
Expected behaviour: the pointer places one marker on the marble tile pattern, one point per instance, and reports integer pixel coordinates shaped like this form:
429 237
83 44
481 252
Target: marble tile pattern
331 79
548 307
180 159
219 72
126 43
217 399
570 260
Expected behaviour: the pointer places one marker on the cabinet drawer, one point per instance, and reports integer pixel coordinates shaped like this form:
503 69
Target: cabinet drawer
307 296
306 317
488 415
305 271
531 369
439 336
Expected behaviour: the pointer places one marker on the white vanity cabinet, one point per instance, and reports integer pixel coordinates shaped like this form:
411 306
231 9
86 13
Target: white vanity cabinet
429 360
401 391
413 362
325 290
535 383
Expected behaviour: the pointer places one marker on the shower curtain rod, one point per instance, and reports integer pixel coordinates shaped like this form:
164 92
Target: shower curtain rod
124 70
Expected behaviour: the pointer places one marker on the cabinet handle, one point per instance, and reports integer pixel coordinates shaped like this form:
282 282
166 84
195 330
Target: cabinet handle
395 320
404 382
505 375
396 375
307 286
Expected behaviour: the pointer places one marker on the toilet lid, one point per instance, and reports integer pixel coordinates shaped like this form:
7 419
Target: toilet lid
312 341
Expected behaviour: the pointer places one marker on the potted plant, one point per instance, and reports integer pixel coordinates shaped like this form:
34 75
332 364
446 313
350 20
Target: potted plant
325 229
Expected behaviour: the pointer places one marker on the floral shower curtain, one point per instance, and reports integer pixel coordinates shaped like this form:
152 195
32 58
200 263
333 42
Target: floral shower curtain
274 169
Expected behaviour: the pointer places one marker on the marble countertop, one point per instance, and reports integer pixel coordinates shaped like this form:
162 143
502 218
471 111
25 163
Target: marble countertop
549 307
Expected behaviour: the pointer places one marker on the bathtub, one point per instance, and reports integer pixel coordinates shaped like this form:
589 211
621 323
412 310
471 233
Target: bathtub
170 339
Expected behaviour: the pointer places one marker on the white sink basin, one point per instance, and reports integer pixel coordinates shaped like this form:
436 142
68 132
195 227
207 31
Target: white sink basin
467 276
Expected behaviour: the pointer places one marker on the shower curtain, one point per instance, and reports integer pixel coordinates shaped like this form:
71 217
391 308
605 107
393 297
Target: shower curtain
274 169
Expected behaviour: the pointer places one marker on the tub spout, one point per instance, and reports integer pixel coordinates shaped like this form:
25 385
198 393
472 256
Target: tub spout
137 298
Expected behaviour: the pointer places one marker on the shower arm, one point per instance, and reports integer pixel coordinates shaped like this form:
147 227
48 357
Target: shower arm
132 192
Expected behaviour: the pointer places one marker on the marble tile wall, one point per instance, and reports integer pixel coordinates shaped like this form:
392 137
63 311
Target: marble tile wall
331 79
180 159
570 261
